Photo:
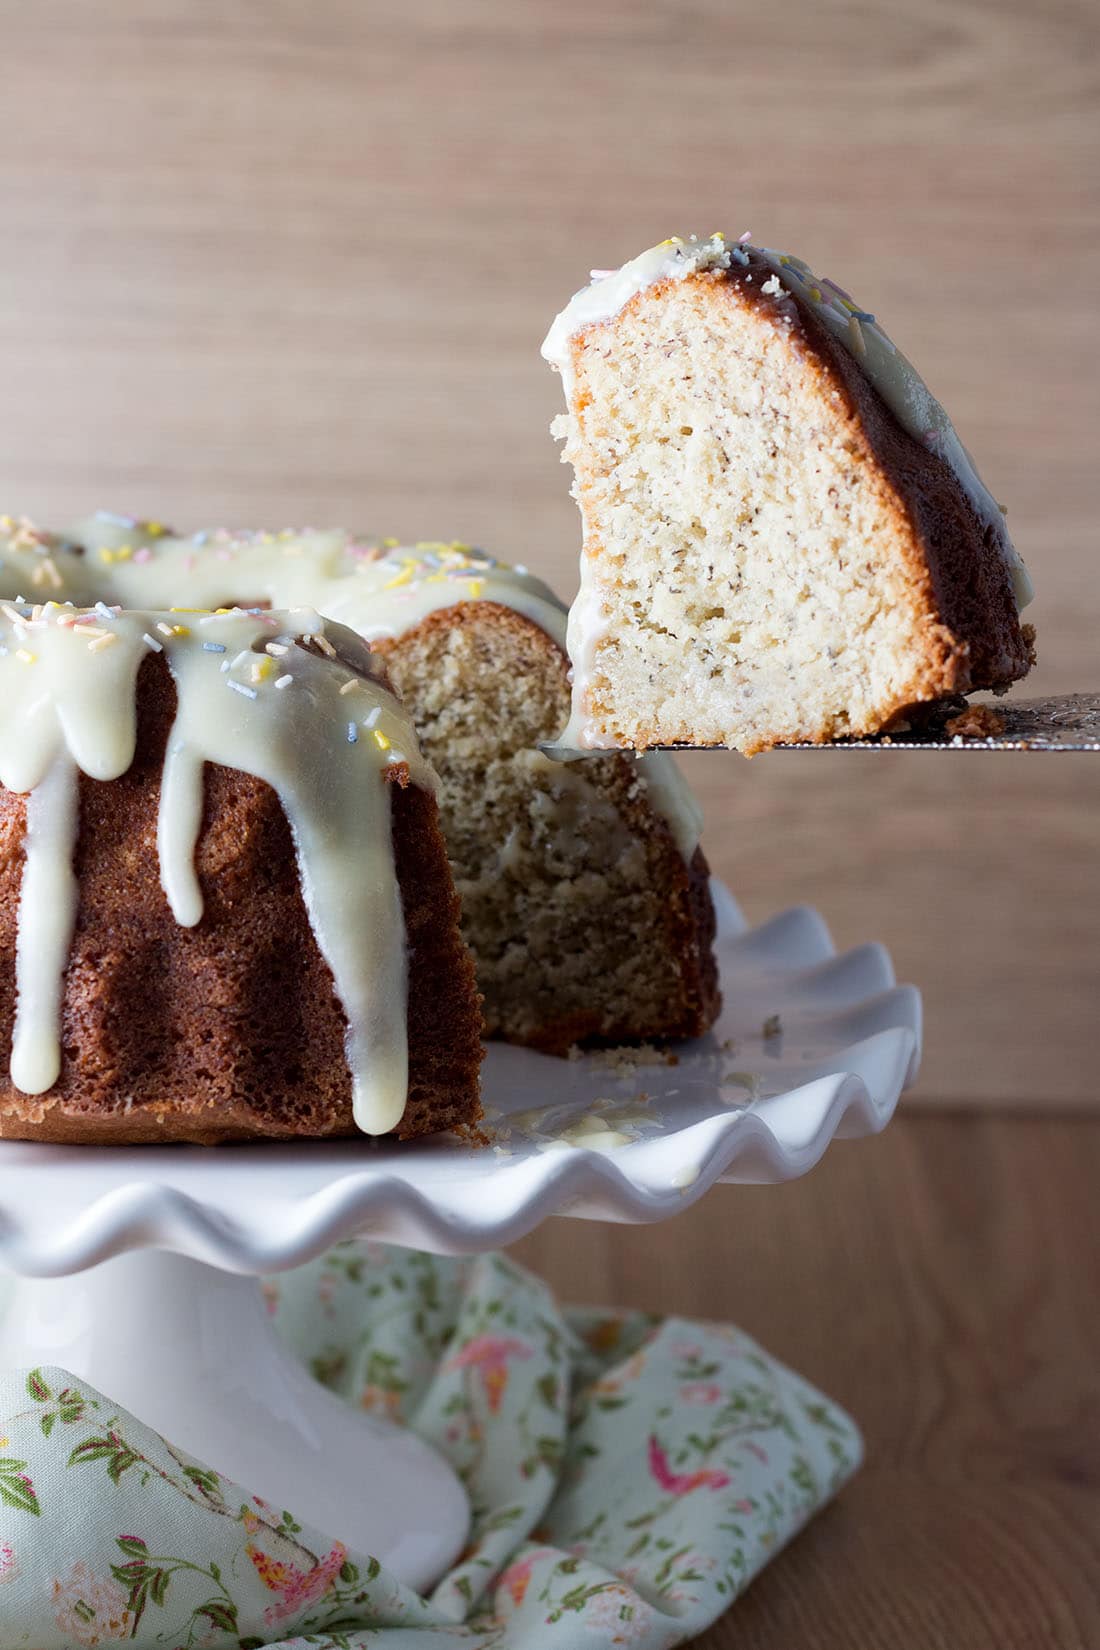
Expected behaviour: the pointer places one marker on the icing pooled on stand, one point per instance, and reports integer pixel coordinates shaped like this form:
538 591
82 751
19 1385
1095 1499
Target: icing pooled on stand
285 696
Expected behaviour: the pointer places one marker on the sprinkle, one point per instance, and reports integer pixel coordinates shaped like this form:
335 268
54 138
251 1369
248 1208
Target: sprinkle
165 629
284 681
11 613
353 734
277 649
181 630
261 668
107 639
241 687
475 587
213 647
739 255
242 657
380 739
325 645
88 630
155 529
862 315
151 642
104 611
144 554
115 519
839 290
27 658
403 577
372 716
747 236
350 685
855 336
47 569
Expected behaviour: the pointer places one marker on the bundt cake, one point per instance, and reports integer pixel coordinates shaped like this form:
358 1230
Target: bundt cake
226 906
584 892
784 538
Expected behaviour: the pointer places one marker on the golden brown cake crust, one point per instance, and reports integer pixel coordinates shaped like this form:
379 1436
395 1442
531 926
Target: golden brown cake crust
982 644
230 1030
680 935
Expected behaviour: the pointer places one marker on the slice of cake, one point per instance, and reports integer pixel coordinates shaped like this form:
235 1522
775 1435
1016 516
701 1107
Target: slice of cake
226 910
784 538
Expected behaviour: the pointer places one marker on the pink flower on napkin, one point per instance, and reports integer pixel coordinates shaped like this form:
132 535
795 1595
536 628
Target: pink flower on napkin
701 1392
682 1483
489 1355
90 1610
298 1587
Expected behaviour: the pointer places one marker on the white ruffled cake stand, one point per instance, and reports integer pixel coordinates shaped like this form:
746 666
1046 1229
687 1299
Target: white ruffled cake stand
107 1242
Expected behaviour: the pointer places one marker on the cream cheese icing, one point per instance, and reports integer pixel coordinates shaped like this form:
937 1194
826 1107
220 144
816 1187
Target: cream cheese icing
380 589
886 368
286 696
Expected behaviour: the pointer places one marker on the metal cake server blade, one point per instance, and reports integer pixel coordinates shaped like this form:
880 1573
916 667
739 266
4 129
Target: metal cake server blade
1064 722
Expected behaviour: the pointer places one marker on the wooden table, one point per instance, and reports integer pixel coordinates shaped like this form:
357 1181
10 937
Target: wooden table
942 1282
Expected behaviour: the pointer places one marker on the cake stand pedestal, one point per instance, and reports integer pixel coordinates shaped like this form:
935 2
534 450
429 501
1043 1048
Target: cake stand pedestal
190 1349
137 1269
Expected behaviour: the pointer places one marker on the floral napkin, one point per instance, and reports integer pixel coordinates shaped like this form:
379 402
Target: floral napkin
628 1477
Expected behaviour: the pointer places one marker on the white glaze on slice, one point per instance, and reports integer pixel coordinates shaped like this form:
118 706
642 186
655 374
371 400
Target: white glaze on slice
68 684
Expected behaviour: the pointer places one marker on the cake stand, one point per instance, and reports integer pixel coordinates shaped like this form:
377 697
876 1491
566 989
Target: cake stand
136 1269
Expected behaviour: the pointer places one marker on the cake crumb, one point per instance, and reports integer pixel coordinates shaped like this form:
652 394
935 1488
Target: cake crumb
976 722
625 1060
773 287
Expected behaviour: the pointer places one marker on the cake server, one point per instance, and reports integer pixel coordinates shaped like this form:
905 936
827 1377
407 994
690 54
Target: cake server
1064 722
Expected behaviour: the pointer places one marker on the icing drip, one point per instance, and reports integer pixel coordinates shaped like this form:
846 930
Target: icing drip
379 589
68 678
47 916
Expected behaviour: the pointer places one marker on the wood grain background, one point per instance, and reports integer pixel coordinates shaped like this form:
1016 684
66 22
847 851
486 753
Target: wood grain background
267 262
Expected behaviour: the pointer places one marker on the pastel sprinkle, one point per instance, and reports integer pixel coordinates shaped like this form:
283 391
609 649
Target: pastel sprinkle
241 687
380 739
284 681
152 643
107 639
353 734
22 653
213 647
